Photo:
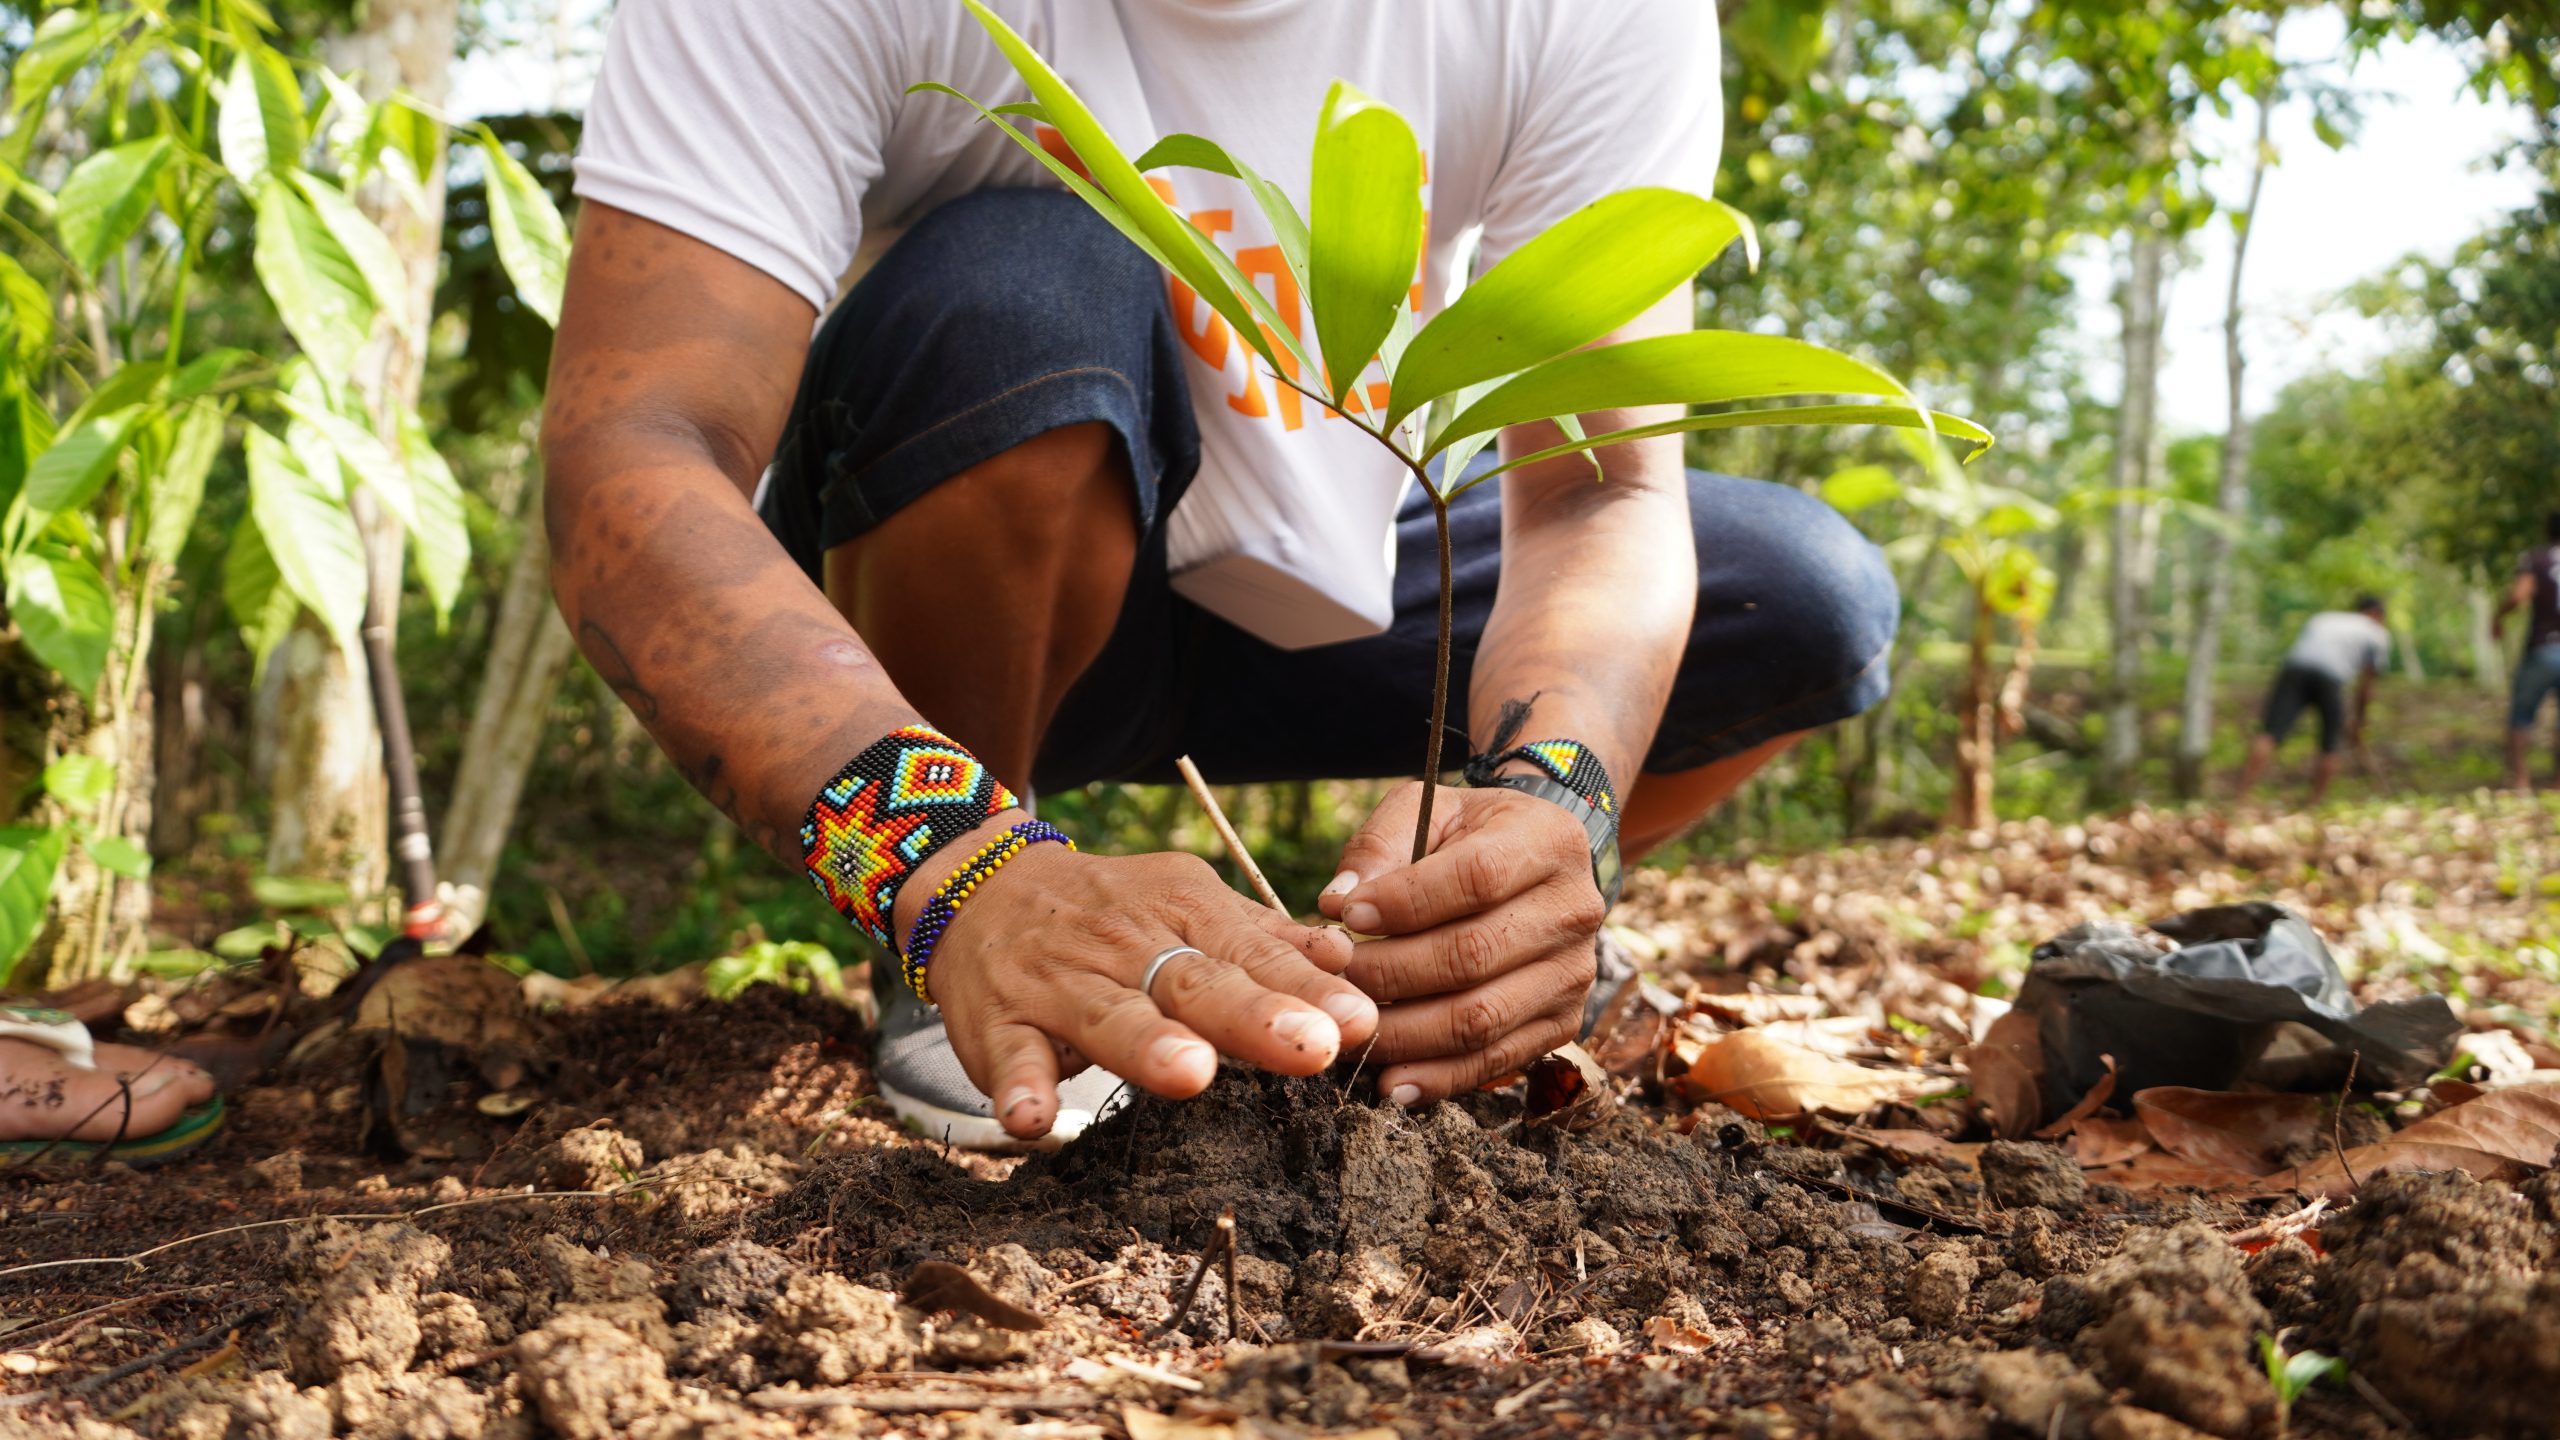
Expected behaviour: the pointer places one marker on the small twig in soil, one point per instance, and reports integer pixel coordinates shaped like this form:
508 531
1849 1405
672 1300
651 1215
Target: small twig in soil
75 1319
198 1341
2384 1408
1227 833
1223 1240
1107 1276
2338 1123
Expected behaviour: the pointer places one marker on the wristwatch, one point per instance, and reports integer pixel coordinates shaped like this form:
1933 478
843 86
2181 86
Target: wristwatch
1570 776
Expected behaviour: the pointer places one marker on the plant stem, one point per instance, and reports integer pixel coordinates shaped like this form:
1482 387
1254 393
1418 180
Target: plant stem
1439 687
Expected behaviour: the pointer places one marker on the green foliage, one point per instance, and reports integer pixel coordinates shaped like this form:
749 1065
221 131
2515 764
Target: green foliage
174 134
1365 234
2296 1372
793 964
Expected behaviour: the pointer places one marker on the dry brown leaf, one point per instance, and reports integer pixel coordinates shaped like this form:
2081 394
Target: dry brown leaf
1913 1144
1769 1079
2226 1131
2084 1107
1569 1091
1672 1337
2155 1169
2101 1140
941 1285
2504 1135
2008 1075
1754 1008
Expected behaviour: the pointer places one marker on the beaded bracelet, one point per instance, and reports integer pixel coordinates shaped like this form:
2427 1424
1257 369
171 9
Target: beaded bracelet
905 796
938 912
1569 763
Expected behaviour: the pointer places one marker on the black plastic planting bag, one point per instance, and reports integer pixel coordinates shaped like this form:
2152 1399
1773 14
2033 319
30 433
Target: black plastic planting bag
2235 994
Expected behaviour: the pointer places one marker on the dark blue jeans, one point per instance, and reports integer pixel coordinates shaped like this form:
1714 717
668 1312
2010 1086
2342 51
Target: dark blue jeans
1011 313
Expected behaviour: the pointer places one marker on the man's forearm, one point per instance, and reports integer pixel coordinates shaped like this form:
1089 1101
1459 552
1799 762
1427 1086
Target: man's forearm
692 612
1599 587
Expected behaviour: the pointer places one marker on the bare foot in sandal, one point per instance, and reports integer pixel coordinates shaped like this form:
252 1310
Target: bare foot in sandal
44 1096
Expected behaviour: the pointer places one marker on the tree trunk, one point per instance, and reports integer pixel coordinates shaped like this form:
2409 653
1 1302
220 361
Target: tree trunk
2231 499
2488 657
1978 739
2129 599
332 815
528 652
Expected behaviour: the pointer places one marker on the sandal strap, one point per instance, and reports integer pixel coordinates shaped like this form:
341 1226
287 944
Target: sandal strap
57 1030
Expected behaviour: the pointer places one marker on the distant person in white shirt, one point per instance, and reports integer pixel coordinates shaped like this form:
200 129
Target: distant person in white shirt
2336 649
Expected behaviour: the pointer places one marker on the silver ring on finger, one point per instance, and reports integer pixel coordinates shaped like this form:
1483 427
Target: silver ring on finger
1155 967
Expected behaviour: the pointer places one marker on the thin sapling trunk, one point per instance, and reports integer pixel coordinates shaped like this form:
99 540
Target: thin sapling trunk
1439 686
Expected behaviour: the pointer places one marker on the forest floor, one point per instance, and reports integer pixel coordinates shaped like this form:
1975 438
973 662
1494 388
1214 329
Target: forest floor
444 1211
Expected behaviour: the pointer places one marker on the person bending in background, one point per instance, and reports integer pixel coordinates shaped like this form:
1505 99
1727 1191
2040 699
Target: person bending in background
2336 649
2536 592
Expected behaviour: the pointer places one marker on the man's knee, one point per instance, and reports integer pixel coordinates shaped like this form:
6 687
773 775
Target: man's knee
1824 589
1021 272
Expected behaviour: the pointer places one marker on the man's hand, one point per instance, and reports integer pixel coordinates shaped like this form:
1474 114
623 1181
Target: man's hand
1038 977
1488 948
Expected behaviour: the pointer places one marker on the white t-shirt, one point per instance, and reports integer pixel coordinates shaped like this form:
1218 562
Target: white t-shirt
780 132
2341 644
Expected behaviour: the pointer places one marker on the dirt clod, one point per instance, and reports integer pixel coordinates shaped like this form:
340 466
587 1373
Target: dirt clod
590 1380
355 1298
1941 1284
2020 1173
595 1157
2177 1327
2449 1305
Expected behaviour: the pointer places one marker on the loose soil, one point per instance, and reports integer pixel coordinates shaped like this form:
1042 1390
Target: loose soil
721 1226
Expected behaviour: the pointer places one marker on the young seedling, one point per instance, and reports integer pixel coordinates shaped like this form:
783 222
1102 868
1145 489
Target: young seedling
1510 350
2292 1374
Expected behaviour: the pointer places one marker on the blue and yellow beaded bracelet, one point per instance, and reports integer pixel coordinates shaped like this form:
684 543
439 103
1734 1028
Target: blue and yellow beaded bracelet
938 912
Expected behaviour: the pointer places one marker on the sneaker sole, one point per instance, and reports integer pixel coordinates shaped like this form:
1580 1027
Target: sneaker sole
978 1133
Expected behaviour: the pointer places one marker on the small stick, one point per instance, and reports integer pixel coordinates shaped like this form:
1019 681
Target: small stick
1224 1239
2338 1123
1227 833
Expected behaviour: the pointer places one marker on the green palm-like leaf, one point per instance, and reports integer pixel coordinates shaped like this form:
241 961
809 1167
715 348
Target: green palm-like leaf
60 604
28 858
1705 367
310 535
177 489
363 240
261 125
1364 221
1288 227
253 590
319 290
78 463
439 535
532 240
1591 272
106 197
1170 239
1954 427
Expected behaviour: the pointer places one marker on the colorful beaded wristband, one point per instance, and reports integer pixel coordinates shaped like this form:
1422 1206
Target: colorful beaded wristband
938 912
1569 763
907 795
